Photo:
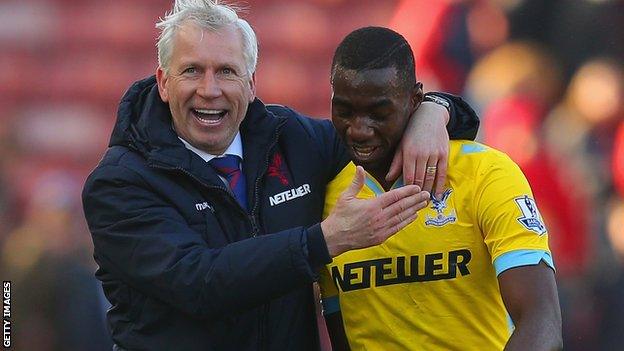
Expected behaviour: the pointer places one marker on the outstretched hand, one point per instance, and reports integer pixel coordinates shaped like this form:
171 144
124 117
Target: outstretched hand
422 155
357 223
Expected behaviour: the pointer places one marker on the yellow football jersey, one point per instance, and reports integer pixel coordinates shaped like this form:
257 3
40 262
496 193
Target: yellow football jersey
433 285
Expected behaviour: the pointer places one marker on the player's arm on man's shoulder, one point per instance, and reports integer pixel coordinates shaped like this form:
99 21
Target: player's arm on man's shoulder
422 156
530 296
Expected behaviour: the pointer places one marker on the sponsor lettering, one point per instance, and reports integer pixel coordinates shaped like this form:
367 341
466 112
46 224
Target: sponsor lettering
202 206
288 195
401 270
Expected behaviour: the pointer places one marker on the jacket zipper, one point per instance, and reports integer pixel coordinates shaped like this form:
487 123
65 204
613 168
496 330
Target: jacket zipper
264 320
254 209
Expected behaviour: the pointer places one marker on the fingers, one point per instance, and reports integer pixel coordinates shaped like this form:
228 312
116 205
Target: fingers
395 167
397 216
395 228
388 198
414 173
404 208
440 177
404 223
430 174
356 185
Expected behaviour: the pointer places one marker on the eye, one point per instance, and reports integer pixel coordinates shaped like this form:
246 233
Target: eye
381 114
227 71
378 117
342 113
190 70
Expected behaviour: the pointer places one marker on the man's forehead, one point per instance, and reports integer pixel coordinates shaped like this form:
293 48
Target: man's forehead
192 40
381 76
380 80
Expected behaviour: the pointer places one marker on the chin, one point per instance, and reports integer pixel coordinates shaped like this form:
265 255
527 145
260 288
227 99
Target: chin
366 163
375 164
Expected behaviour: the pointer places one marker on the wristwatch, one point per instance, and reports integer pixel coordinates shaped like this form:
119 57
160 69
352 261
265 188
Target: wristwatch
436 99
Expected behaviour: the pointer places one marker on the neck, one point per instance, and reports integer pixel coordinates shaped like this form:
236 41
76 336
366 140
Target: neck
379 172
381 179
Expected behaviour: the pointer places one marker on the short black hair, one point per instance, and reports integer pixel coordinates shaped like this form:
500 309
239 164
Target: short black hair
373 48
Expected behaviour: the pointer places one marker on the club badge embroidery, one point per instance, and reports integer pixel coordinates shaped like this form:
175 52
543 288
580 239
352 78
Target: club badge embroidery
277 169
439 205
531 219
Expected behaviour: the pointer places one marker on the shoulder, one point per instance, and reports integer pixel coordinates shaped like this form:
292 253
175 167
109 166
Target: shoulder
313 127
342 179
475 160
119 164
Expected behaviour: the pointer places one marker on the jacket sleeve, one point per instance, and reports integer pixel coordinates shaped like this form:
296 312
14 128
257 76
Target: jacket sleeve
463 122
145 242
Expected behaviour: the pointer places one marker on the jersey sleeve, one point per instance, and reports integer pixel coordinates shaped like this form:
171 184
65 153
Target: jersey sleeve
513 229
329 292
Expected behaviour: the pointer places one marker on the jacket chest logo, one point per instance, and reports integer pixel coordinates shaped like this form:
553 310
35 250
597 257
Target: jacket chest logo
439 205
202 206
276 169
290 194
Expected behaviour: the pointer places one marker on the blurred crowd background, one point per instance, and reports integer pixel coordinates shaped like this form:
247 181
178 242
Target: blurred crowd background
545 76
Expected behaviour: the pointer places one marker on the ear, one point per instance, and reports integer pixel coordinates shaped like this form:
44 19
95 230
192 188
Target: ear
161 79
252 87
417 96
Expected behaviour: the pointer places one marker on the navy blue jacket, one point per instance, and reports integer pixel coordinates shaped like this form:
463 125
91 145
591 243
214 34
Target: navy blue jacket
184 266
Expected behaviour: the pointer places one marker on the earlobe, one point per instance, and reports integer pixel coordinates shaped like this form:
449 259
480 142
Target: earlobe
417 96
161 80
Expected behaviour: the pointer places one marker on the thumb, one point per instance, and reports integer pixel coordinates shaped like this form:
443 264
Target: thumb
356 184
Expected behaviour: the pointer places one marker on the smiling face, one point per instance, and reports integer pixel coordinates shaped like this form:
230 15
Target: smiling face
207 86
370 110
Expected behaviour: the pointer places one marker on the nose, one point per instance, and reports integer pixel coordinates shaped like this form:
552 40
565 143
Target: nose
209 86
360 130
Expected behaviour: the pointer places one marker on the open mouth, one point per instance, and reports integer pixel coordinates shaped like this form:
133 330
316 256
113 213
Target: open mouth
363 152
209 117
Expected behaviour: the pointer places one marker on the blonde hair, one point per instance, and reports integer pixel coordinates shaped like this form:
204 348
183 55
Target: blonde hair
208 14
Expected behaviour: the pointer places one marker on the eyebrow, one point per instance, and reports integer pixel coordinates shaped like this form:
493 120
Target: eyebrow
185 62
379 103
339 100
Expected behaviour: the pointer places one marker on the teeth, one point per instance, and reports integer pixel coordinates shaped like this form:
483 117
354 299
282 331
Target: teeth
209 112
209 116
363 151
